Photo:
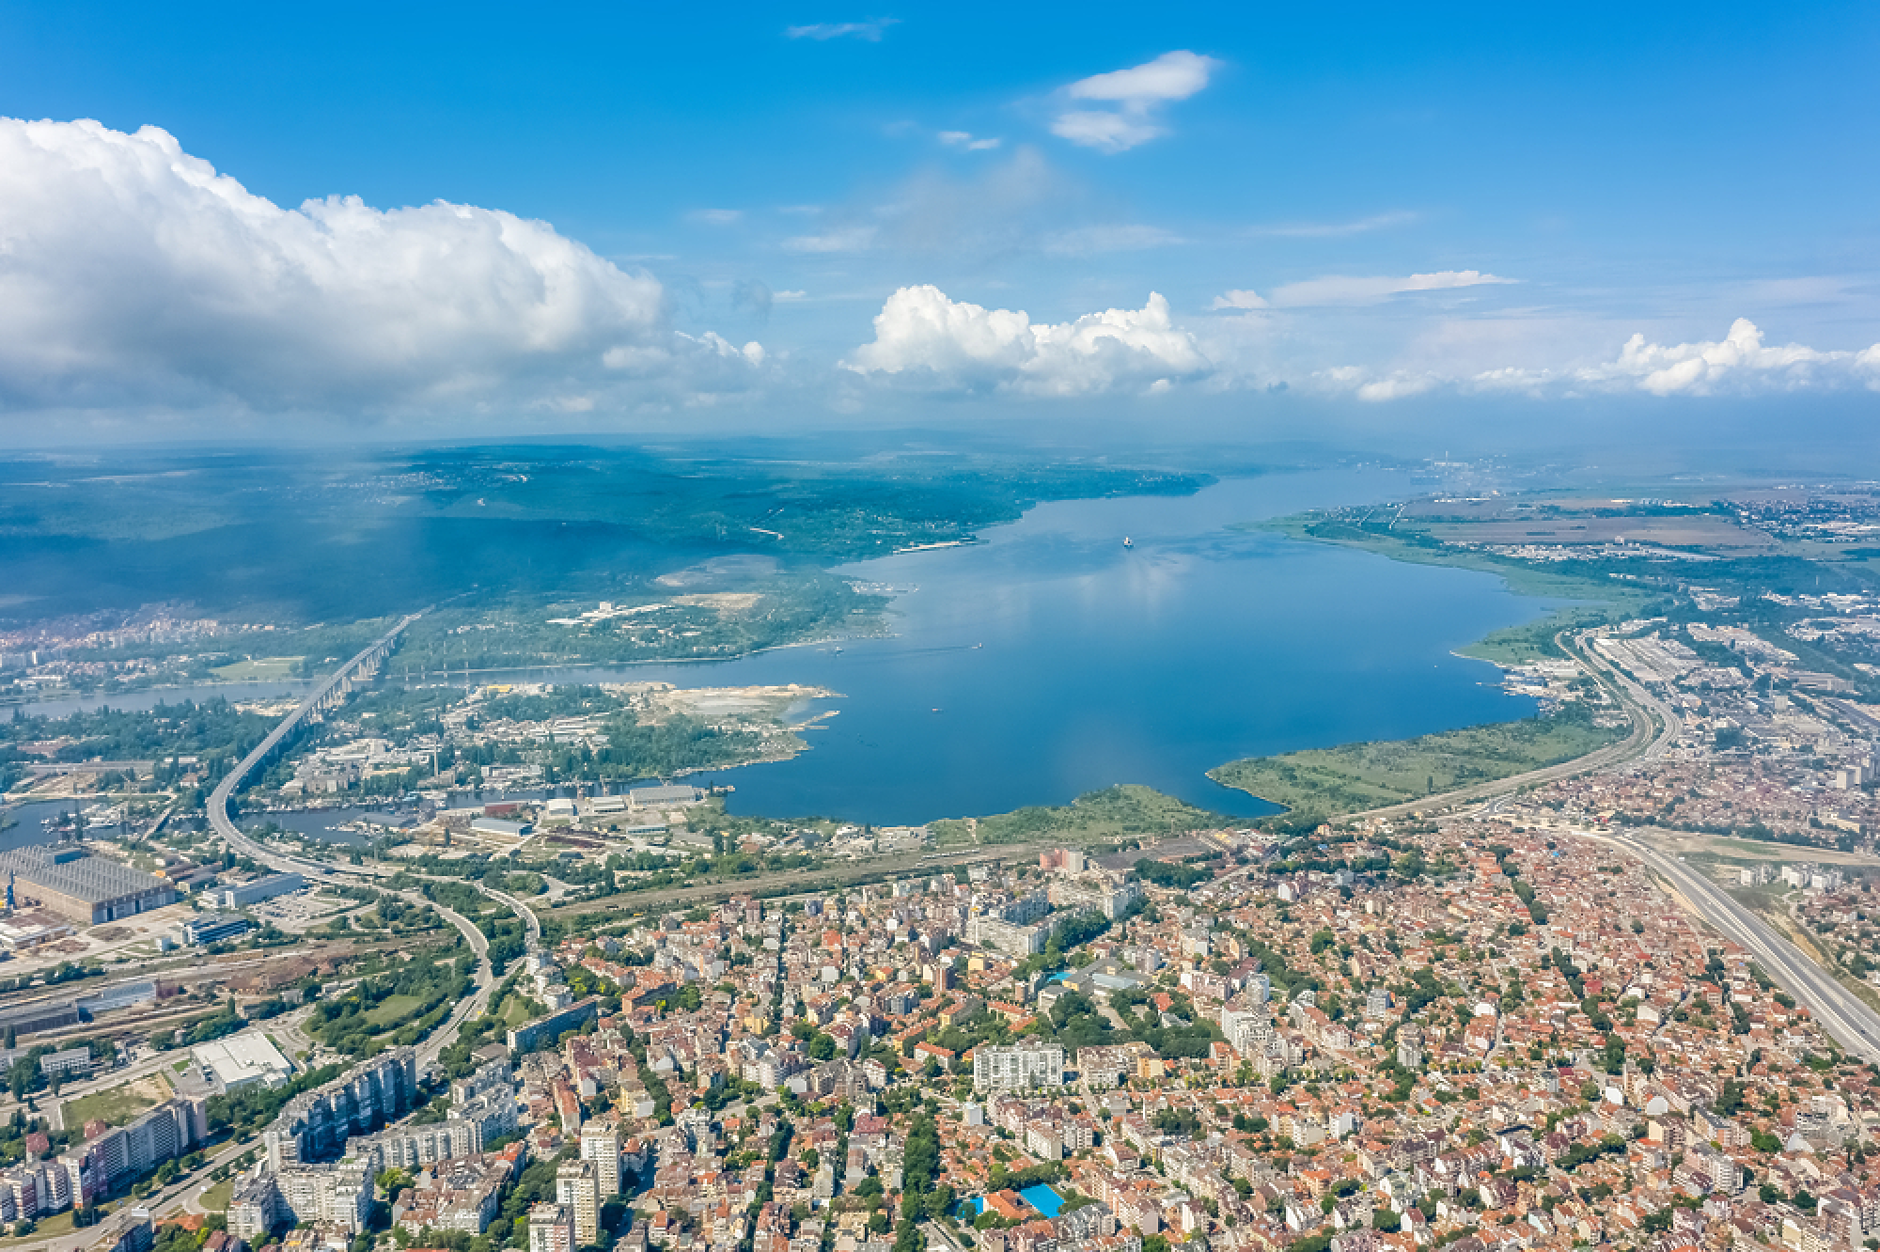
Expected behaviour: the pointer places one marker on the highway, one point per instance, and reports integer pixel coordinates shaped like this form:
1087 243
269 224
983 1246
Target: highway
1631 697
178 1194
1847 1018
316 699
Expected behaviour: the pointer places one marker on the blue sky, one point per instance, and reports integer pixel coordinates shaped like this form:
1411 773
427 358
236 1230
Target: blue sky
822 211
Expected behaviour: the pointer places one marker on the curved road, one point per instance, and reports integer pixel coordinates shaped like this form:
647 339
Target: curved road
466 1009
180 1194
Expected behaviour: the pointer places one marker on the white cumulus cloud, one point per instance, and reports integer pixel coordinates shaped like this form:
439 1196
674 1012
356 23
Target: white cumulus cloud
927 339
1738 358
1171 76
1138 94
1112 132
1239 300
134 273
1738 364
1397 386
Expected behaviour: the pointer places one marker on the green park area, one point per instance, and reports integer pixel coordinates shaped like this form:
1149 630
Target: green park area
1326 782
46 1228
1112 813
393 1010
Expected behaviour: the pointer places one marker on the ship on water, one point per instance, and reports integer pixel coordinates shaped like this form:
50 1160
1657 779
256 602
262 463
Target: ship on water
1128 542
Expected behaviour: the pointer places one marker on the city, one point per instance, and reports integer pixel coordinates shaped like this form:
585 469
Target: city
939 627
1494 1019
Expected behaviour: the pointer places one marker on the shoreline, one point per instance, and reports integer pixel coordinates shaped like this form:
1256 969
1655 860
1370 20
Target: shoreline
1519 580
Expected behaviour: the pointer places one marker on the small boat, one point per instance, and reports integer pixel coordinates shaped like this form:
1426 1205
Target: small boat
1128 542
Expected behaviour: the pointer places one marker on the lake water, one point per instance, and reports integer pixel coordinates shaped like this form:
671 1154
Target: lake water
150 697
22 825
1050 660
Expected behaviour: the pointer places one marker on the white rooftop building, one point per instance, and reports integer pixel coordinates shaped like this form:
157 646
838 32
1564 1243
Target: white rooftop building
242 1061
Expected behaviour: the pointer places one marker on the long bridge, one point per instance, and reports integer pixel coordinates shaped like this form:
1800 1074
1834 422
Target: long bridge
330 693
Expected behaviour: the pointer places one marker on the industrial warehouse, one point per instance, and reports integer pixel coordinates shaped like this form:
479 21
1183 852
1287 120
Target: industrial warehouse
87 889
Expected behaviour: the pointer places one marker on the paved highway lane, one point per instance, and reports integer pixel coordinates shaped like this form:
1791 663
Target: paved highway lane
1846 1018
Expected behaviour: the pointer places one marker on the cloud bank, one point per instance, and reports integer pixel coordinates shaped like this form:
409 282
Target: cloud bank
1738 358
134 273
1138 94
1738 364
926 340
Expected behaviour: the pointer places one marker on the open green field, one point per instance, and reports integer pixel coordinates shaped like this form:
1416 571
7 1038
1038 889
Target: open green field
115 1105
259 669
1532 641
1129 809
43 1229
393 1010
215 1199
1326 782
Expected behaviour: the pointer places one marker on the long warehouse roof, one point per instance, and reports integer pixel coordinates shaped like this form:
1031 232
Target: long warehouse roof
92 879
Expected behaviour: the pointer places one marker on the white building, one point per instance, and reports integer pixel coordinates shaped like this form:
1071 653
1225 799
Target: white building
242 1061
600 1144
1018 1067
577 1189
551 1228
339 1194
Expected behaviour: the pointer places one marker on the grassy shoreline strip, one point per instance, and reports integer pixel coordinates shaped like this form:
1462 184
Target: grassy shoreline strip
1320 783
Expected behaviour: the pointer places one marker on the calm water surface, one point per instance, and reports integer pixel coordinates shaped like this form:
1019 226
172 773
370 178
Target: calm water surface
1050 660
